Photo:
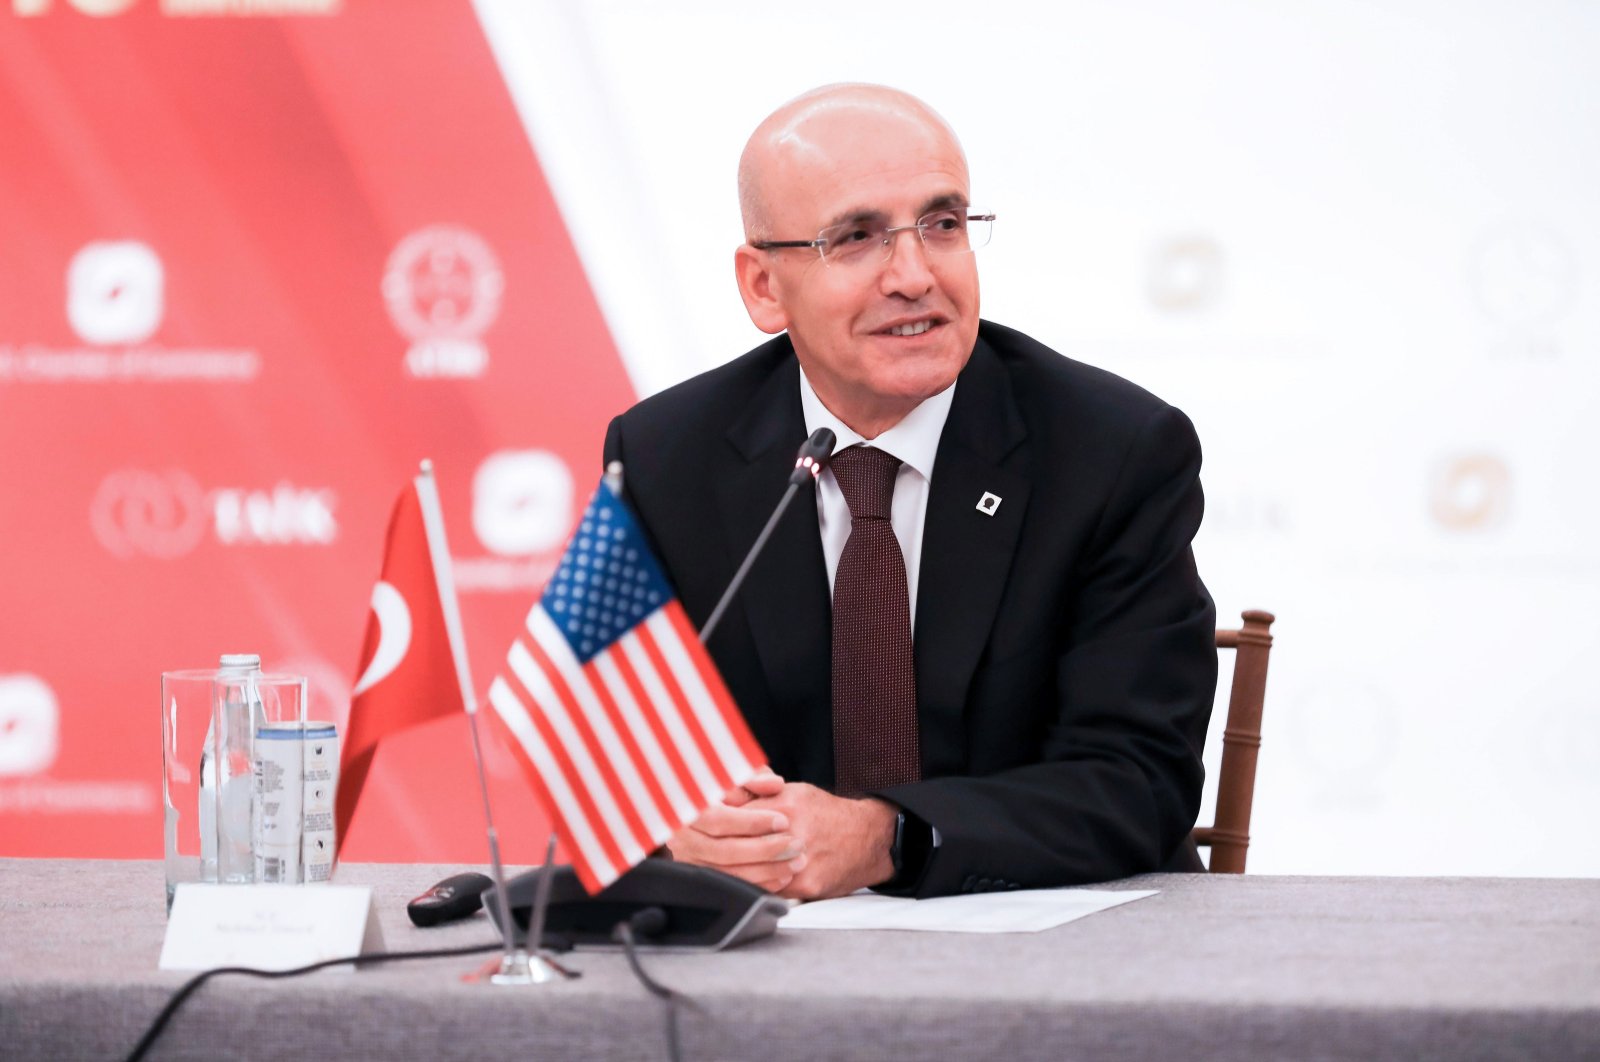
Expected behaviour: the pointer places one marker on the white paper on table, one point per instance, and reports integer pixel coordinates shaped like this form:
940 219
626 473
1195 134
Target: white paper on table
268 927
1018 911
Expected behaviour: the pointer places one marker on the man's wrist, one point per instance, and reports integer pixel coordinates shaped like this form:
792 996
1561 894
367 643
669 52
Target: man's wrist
910 851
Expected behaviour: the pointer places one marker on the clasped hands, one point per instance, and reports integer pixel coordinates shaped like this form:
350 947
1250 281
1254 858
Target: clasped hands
792 839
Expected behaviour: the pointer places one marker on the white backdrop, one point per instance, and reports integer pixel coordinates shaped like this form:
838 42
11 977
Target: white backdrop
1357 243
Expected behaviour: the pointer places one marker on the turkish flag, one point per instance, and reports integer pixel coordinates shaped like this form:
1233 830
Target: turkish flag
409 672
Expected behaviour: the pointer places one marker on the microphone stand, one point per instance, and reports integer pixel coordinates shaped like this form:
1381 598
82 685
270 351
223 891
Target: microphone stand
519 966
808 465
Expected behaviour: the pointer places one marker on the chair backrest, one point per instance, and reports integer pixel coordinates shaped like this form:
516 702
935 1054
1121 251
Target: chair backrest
1228 836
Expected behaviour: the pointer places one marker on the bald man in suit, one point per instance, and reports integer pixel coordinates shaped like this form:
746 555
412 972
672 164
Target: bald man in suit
1048 640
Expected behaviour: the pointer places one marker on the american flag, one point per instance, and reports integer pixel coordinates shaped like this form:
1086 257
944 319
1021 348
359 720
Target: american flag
616 713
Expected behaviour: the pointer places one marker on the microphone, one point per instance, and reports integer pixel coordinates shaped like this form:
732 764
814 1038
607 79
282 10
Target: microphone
808 465
811 460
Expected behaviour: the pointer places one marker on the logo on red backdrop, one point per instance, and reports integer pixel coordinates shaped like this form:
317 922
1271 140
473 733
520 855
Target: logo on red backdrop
94 8
187 8
521 502
521 513
30 744
30 725
442 286
116 293
168 514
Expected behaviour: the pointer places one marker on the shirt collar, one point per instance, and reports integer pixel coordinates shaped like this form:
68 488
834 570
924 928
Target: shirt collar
915 440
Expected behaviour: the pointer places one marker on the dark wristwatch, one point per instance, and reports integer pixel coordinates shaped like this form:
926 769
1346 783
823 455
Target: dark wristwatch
909 853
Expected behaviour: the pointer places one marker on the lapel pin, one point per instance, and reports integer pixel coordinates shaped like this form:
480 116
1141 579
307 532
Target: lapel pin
988 503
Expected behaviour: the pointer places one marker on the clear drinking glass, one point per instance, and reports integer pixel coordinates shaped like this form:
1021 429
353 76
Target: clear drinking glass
210 719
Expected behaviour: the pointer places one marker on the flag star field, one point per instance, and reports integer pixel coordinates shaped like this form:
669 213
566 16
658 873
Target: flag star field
607 583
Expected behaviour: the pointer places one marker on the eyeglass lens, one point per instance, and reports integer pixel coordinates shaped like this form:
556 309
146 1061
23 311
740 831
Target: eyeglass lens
943 232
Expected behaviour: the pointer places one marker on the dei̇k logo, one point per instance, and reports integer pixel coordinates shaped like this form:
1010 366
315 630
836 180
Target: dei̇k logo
168 514
442 286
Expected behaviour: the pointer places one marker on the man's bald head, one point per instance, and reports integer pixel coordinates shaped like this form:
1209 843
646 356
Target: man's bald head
793 136
879 332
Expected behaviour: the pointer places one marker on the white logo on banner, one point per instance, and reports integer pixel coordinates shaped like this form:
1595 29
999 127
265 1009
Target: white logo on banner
93 8
442 286
30 725
1524 276
1470 492
115 302
189 8
167 514
286 515
159 514
1184 273
114 292
521 502
1346 729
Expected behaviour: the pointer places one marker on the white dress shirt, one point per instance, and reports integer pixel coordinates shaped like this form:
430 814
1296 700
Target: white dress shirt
915 441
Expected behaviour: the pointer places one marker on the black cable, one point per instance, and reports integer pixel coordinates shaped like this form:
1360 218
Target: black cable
624 931
148 1040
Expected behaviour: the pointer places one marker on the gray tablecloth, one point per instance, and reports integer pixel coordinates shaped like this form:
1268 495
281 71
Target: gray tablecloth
1212 967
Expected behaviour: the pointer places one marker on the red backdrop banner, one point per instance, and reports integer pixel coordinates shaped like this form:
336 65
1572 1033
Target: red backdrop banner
253 267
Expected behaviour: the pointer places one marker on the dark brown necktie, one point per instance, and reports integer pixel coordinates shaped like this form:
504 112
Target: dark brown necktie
874 677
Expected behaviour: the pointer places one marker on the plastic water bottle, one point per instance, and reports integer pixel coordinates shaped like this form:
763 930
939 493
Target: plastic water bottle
226 773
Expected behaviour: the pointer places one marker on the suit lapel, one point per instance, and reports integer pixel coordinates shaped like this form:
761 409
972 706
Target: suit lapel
966 553
785 597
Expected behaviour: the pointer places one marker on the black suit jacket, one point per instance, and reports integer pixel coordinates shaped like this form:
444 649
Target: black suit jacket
1065 652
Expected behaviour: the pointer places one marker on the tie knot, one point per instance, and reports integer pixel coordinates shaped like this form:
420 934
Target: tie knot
866 477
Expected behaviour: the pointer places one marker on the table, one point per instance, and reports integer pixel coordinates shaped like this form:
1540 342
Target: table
1218 966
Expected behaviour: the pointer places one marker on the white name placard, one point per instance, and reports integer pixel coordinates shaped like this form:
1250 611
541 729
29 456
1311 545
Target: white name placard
268 927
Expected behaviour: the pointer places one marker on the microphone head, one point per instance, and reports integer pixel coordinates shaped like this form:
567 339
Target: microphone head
813 457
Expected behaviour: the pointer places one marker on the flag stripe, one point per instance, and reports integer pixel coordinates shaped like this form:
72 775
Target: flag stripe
618 754
572 822
662 774
750 751
691 680
619 814
510 720
660 818
573 755
718 776
702 777
671 745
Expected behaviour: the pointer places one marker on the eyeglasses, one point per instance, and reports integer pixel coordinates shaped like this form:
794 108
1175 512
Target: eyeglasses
953 230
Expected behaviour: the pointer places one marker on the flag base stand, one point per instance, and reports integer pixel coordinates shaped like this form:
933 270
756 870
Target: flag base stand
520 968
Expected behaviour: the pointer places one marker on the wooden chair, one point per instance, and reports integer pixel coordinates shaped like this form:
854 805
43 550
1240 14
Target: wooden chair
1228 836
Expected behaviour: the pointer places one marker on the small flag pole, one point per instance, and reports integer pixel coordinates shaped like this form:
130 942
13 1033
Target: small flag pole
517 966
